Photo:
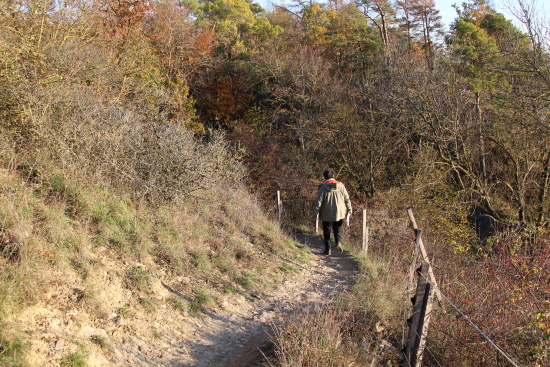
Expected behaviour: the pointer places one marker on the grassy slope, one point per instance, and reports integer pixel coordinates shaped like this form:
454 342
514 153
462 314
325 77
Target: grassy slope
68 248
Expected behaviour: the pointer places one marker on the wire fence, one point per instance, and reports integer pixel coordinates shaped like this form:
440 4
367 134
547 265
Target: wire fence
430 279
440 294
476 328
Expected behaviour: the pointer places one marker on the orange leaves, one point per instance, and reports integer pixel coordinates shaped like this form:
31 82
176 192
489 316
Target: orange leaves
225 97
204 41
119 21
124 15
180 46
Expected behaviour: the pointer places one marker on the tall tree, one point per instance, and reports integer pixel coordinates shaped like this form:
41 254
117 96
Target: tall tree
381 13
406 20
477 55
429 22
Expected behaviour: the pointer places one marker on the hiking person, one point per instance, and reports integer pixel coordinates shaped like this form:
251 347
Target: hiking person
332 207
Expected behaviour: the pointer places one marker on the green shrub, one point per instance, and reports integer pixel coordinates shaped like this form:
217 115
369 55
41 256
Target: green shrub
12 347
200 259
229 290
194 308
177 303
140 277
245 281
200 301
287 268
77 359
147 304
100 341
69 193
125 311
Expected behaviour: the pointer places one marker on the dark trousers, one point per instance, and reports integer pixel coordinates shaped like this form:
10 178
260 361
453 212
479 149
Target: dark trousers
336 228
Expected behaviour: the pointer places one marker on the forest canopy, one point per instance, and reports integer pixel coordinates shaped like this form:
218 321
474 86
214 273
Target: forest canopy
375 89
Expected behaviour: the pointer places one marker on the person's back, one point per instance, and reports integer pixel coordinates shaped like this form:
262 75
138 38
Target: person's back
334 196
332 206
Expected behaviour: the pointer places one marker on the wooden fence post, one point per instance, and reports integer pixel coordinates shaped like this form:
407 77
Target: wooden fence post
365 243
424 254
279 205
420 319
414 263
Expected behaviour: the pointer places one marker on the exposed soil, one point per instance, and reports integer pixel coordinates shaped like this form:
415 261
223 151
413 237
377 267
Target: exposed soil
231 336
234 337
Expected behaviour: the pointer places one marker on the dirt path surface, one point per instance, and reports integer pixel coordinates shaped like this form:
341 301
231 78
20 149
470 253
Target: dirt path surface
164 335
233 337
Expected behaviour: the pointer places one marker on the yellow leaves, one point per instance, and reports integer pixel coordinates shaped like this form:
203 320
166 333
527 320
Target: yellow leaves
543 319
316 23
237 21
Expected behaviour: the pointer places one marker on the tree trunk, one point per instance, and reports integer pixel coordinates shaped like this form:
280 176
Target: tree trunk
481 144
543 190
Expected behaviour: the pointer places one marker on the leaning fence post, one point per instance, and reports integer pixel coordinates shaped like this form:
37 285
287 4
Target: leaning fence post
414 263
424 253
420 318
279 205
365 243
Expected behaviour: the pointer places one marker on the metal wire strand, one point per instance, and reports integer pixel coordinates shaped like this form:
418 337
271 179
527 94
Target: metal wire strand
479 331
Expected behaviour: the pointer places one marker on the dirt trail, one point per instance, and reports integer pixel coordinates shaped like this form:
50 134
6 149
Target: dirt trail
233 337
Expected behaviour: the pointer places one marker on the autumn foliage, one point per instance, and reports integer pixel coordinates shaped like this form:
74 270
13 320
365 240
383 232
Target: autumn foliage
454 123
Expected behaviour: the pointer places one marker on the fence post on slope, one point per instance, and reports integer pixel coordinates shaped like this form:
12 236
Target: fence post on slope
420 319
365 243
279 205
424 253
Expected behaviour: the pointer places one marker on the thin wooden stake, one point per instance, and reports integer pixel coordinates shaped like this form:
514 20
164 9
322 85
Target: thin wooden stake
279 205
365 243
414 264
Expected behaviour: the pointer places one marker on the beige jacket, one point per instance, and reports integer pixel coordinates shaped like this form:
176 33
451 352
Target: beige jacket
333 201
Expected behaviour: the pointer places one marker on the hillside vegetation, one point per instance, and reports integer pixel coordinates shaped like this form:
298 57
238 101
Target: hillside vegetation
74 241
144 139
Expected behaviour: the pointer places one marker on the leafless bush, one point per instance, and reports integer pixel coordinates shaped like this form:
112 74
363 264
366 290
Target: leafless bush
503 290
157 161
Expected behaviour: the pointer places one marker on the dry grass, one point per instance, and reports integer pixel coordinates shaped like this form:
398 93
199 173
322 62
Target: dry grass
359 328
62 220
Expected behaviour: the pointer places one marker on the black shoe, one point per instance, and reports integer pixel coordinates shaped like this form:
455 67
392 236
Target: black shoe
327 251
